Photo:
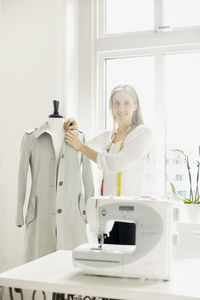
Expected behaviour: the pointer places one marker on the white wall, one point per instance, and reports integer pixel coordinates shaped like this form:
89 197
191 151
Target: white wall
33 72
85 117
72 58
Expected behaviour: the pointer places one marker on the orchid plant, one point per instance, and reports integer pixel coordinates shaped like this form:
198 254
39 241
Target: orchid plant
193 198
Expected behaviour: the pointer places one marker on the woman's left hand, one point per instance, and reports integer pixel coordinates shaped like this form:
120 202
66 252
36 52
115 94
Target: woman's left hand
73 140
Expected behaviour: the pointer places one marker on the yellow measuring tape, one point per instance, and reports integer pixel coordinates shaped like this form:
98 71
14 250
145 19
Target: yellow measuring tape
119 175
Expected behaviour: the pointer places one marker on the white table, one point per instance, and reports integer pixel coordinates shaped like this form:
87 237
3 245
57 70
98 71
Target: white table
55 273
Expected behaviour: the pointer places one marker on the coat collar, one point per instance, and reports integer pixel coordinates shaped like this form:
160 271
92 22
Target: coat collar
42 129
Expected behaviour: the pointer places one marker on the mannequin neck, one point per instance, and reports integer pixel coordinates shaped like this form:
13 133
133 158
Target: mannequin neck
55 125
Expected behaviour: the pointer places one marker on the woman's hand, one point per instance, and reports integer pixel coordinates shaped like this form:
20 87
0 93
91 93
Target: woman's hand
70 124
73 140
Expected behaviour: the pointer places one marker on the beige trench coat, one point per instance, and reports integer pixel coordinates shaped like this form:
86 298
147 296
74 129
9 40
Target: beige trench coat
53 219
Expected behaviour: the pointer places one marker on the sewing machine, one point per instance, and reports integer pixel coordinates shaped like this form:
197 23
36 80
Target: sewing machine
149 258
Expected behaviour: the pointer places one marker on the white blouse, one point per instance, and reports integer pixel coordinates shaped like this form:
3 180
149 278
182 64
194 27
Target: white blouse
129 161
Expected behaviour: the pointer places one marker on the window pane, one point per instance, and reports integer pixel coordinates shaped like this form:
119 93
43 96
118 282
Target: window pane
182 12
182 121
129 15
137 72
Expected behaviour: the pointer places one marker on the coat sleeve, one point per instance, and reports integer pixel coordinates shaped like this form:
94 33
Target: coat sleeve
87 176
133 149
22 179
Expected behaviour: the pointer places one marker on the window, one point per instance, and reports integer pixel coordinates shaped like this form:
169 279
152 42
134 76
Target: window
175 161
182 73
128 15
139 71
180 13
141 43
179 177
182 193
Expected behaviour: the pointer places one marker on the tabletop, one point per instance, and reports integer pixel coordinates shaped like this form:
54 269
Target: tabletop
56 273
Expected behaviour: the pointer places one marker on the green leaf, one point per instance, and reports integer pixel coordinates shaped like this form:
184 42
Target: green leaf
187 201
197 200
175 192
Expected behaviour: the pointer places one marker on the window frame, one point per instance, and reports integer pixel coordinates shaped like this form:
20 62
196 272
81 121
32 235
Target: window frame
159 25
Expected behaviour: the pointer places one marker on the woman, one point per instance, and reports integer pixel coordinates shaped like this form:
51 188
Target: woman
120 154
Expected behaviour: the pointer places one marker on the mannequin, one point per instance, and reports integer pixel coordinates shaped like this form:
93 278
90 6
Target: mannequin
61 183
55 124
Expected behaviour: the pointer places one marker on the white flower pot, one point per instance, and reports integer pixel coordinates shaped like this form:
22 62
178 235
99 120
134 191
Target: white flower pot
189 213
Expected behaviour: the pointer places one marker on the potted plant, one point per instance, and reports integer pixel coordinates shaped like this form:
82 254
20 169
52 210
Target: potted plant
190 212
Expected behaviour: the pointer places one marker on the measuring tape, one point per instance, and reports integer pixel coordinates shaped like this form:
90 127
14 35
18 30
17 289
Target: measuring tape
119 175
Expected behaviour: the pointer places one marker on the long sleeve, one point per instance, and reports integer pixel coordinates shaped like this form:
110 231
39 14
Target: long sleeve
134 147
101 141
22 179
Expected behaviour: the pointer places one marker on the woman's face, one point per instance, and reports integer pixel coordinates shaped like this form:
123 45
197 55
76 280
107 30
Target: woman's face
123 106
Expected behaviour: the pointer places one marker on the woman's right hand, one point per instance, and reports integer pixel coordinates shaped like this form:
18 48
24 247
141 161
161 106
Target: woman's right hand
70 124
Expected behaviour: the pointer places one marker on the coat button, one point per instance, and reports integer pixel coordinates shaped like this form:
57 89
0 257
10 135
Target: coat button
61 183
59 210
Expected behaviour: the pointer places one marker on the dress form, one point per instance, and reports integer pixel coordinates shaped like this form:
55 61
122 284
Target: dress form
57 132
55 124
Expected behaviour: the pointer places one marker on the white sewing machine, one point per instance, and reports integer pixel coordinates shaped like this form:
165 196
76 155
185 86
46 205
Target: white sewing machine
149 258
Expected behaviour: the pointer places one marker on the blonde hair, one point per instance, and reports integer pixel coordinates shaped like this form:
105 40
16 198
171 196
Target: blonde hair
137 115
